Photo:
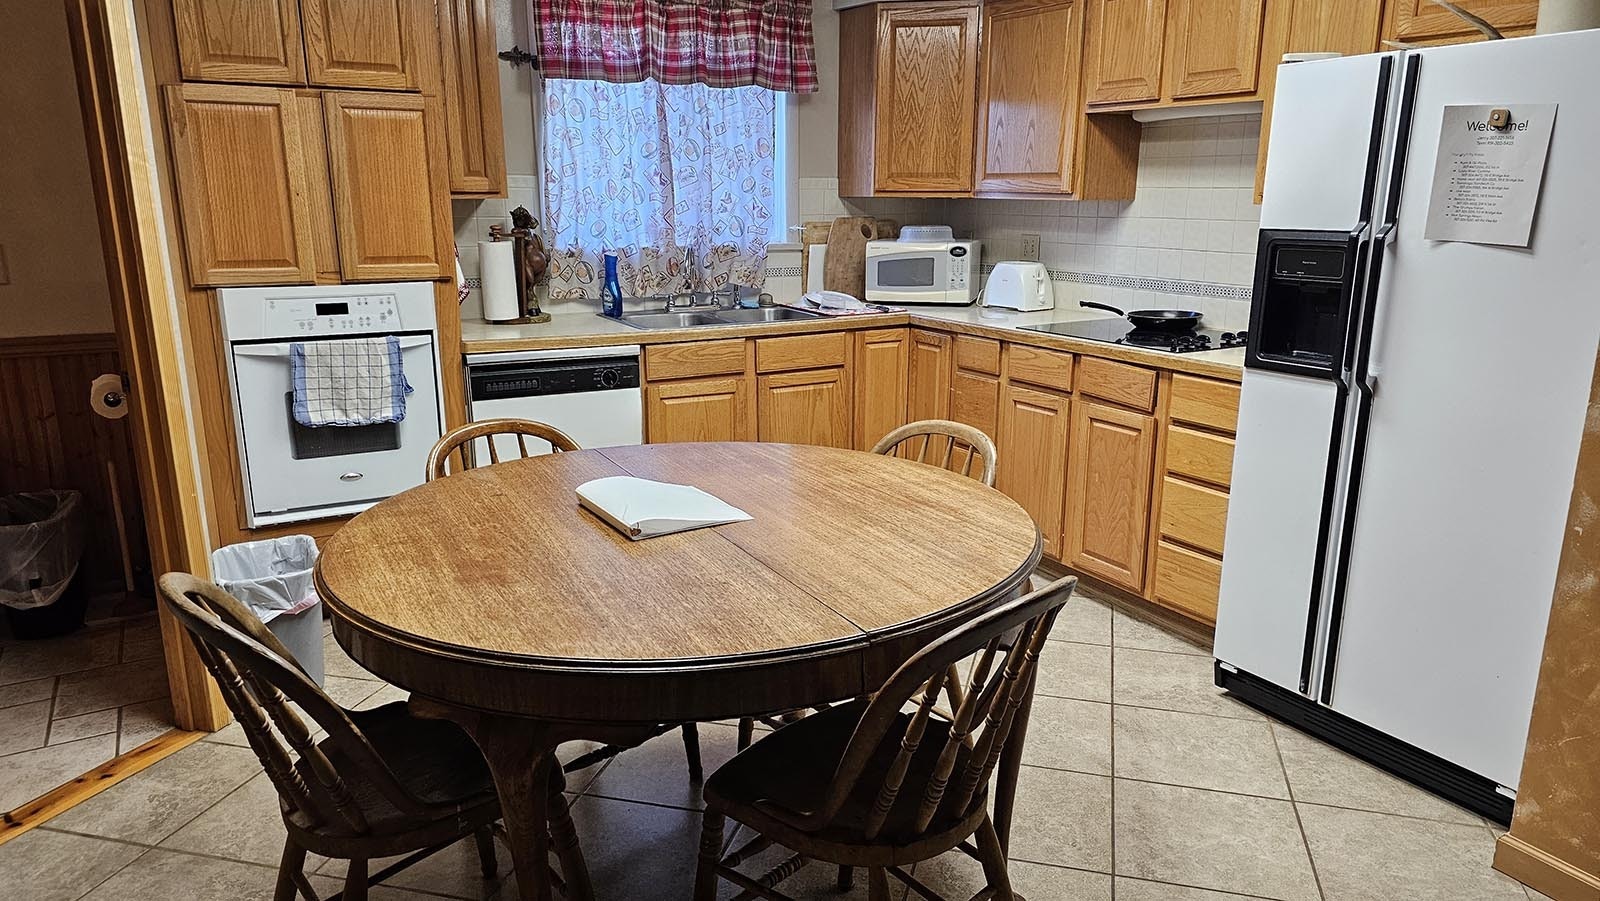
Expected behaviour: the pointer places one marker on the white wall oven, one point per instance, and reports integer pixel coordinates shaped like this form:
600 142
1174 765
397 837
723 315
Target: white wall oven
293 472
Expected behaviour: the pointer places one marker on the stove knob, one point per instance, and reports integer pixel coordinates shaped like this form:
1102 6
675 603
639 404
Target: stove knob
1228 337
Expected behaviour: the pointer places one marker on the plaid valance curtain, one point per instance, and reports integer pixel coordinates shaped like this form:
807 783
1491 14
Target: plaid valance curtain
720 43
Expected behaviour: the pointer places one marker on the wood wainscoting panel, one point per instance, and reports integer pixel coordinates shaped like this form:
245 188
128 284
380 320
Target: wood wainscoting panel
49 438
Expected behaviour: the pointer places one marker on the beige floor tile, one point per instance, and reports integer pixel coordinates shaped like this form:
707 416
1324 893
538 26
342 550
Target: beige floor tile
1063 819
25 692
28 775
24 727
166 874
1199 751
22 661
84 725
142 722
1085 620
1068 734
1205 839
1172 682
1144 890
1081 671
1132 632
151 805
815 882
43 865
1362 856
110 686
141 639
657 771
1321 774
453 872
245 825
638 850
955 875
388 694
335 662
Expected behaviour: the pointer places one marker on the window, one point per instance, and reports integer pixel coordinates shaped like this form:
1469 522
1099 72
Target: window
663 175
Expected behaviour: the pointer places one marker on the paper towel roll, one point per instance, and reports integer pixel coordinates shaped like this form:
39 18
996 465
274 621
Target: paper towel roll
106 397
498 270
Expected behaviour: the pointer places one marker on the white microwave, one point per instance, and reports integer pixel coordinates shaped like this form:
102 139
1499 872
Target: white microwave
923 272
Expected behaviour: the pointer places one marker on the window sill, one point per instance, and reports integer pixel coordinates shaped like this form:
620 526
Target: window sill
785 247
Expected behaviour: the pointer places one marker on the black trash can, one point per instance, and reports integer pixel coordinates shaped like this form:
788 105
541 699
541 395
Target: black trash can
41 545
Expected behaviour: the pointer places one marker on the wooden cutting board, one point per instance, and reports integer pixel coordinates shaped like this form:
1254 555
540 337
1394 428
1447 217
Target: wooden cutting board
845 268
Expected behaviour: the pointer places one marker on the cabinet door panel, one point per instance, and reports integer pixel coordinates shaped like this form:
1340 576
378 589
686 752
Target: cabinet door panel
366 43
239 40
319 186
1194 514
882 364
240 157
805 407
1215 47
975 401
1028 95
1422 21
1123 63
926 85
1187 580
1034 430
391 195
930 376
1108 492
716 409
472 97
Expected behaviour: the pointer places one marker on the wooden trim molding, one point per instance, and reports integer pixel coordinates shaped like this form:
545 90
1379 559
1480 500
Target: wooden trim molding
1544 873
57 345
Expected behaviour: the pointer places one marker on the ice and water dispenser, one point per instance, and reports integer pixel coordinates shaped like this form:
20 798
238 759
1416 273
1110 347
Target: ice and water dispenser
1300 315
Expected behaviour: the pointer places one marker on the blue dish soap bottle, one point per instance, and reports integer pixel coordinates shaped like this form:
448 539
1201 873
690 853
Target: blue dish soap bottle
611 291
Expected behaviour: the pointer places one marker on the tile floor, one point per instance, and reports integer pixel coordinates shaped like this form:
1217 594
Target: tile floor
69 704
1142 784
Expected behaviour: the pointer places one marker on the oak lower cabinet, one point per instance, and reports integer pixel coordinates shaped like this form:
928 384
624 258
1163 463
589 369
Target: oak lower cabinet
929 390
1035 430
1191 506
1108 492
700 409
808 406
882 381
250 41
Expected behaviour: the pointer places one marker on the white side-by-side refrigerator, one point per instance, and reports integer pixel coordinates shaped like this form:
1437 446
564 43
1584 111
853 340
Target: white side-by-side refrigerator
1410 415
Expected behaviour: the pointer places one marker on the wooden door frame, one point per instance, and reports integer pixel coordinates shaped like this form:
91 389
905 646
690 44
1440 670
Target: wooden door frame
118 120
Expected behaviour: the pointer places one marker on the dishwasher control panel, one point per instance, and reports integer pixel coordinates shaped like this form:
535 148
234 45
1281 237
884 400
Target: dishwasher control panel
499 381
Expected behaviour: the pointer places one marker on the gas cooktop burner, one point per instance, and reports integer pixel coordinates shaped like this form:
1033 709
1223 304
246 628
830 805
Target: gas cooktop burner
1120 331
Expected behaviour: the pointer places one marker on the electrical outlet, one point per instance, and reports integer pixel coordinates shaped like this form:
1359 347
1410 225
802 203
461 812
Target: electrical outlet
1030 248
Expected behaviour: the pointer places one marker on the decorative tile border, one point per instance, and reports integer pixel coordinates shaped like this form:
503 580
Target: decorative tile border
1146 283
783 272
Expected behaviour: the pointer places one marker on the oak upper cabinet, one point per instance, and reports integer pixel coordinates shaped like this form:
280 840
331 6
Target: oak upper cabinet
390 191
241 158
1425 22
471 86
929 390
1213 47
240 40
384 44
700 409
1108 492
907 110
1035 427
1124 50
1028 100
882 377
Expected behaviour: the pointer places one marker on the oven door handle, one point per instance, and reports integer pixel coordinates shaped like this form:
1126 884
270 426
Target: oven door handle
281 349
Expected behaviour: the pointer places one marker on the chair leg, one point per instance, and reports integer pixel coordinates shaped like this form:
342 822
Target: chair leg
355 881
705 876
878 884
691 750
486 859
993 858
289 870
747 731
847 878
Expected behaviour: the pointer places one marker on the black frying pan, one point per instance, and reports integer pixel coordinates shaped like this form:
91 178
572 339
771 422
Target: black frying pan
1169 321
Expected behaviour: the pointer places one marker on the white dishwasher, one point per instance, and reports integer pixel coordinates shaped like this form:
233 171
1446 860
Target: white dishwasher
591 393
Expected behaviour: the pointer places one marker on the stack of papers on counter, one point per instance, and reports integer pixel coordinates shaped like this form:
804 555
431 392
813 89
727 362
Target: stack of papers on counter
641 508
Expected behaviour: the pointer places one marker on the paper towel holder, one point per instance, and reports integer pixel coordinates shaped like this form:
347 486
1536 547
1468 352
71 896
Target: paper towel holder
524 242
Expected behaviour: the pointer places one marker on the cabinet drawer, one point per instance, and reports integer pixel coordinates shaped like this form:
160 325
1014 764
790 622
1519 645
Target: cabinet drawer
1131 386
802 351
1200 455
1037 366
1194 514
1205 402
1188 581
692 358
978 354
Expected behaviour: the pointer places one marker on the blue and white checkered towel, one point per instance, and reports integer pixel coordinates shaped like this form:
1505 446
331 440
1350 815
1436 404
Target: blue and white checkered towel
360 381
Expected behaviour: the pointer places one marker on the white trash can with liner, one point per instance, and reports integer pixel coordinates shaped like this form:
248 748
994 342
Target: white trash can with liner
273 579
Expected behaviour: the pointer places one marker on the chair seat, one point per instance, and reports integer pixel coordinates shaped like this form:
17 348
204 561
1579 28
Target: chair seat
434 759
788 773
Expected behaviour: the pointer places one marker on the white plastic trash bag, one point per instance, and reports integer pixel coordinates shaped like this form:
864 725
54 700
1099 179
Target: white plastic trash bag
41 544
271 577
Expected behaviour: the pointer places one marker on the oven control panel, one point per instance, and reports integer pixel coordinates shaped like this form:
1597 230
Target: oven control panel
354 314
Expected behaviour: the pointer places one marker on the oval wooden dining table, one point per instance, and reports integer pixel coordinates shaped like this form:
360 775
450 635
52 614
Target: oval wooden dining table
504 606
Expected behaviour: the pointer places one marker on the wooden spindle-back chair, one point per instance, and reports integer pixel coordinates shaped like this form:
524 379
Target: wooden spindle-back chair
945 444
884 782
382 783
458 441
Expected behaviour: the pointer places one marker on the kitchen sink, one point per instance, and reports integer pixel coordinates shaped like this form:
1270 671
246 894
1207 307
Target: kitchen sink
708 318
